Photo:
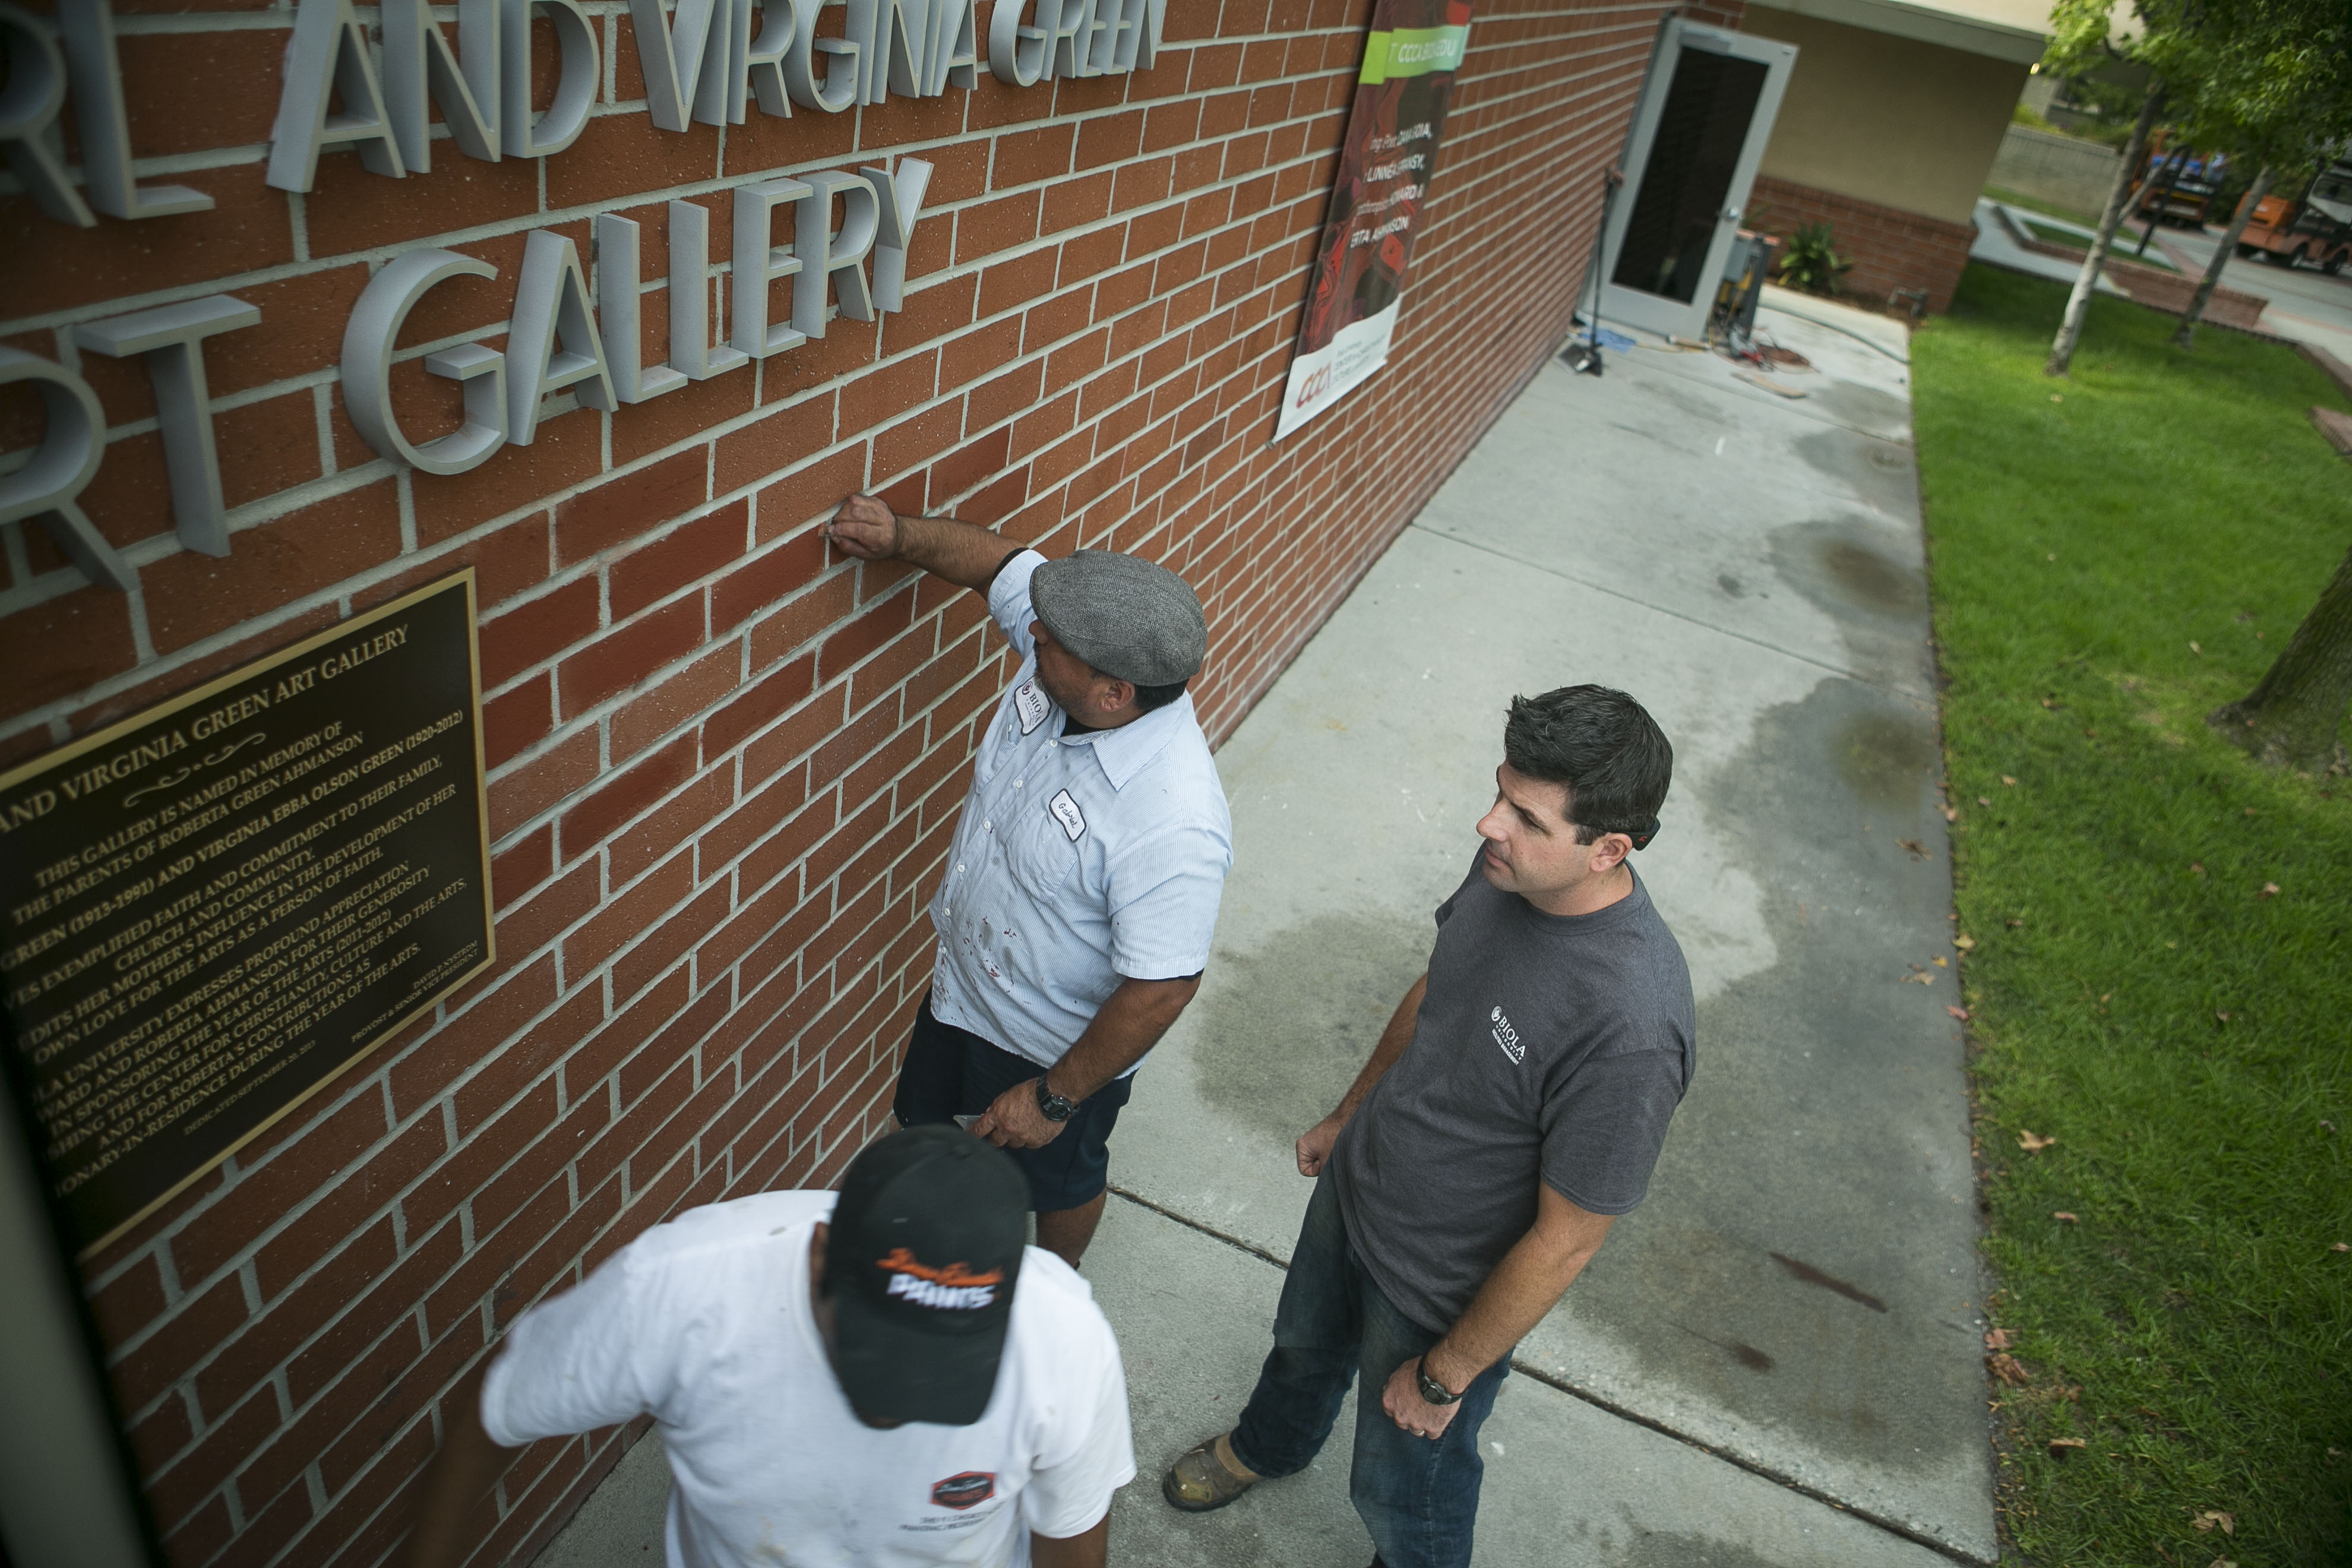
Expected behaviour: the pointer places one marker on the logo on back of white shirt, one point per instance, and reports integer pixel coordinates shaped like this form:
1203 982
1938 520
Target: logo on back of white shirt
1507 1037
969 1490
954 1288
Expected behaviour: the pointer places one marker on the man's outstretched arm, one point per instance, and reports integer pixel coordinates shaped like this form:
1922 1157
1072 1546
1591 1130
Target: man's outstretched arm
468 1465
961 553
1315 1144
1540 1265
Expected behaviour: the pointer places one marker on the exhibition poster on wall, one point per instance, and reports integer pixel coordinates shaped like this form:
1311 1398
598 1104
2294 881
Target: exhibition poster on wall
1385 167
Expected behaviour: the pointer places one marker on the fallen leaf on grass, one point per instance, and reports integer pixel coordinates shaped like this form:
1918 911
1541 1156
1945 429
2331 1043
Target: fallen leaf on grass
2220 1562
2270 891
1984 800
2062 1446
2050 701
2016 922
2033 1142
1918 851
1997 1339
2195 650
2008 1368
2341 1246
2063 1217
2221 1017
2006 779
2197 867
2204 1522
1959 1013
1965 942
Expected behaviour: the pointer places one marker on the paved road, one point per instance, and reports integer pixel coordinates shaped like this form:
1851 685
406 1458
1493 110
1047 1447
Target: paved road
1782 1344
2305 303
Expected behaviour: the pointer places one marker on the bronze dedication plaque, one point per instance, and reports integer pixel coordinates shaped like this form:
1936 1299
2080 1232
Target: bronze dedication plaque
209 909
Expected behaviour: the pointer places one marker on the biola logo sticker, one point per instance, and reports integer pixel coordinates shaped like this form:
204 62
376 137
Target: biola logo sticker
1507 1037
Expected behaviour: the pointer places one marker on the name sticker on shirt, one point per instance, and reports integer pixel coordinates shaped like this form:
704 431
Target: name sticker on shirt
1066 812
1031 706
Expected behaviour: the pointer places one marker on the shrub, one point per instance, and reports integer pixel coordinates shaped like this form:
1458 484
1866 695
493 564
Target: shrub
1810 263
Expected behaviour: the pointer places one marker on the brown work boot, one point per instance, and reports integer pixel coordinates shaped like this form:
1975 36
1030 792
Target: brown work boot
1208 1476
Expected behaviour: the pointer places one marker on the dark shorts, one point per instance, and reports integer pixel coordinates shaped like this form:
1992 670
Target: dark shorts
950 1073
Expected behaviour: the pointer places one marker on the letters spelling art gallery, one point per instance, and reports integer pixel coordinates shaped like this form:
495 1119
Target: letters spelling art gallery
709 63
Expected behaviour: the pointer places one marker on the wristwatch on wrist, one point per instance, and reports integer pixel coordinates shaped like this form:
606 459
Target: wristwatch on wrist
1431 1391
1052 1106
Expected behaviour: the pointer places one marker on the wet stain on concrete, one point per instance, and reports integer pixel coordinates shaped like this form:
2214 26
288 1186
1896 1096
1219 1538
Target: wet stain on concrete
1861 463
1740 1351
1294 1018
1731 584
1885 757
1846 566
1870 578
1867 406
1805 1273
1656 1549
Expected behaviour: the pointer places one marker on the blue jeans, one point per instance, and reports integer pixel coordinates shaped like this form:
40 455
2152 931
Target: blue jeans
1418 1496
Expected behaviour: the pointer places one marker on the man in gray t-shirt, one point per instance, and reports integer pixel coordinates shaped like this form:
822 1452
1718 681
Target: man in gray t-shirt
1513 1108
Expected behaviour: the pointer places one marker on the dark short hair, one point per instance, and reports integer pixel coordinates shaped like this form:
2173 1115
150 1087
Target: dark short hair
1147 698
1602 745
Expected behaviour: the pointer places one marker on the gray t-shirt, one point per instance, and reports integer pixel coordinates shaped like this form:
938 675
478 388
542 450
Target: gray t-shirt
1548 1046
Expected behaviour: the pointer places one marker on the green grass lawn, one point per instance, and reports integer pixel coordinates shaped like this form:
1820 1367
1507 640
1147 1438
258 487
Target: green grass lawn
2113 556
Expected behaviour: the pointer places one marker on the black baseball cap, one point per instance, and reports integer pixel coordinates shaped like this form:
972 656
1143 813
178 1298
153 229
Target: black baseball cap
920 1264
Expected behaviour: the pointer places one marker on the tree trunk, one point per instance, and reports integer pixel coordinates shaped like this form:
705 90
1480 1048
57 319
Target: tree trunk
2078 303
2291 719
2185 337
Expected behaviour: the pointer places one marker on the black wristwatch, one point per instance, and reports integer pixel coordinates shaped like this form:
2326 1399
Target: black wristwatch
1052 1106
1431 1391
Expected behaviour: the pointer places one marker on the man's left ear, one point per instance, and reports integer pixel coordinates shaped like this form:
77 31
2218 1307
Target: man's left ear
1118 695
1610 850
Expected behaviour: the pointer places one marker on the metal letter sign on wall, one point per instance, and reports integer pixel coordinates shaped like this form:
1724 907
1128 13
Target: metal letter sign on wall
1352 296
210 910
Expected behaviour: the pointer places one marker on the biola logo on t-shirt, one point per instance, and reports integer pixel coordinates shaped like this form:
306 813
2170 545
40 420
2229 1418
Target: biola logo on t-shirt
1507 1037
954 1288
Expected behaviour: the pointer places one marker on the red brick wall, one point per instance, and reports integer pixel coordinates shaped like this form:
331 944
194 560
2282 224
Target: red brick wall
724 766
1890 248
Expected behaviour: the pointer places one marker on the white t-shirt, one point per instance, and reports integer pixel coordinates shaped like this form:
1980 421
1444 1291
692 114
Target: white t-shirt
703 1323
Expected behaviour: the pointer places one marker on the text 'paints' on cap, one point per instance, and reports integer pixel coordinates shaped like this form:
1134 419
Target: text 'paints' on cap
1130 619
920 1263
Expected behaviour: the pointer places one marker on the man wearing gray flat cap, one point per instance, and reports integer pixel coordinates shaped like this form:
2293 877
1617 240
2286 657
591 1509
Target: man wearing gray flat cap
1080 891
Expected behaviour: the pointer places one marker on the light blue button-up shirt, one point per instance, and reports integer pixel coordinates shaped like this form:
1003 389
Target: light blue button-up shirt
1080 860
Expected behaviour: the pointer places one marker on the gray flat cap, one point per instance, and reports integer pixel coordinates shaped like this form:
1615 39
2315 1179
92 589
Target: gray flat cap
1127 616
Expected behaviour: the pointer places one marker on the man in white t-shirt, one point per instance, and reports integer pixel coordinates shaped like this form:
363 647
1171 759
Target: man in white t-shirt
885 1378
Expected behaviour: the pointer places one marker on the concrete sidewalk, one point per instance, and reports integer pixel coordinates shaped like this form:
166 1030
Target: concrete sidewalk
1777 1359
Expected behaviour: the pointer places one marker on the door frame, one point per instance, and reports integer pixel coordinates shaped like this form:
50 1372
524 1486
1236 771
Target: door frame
1652 311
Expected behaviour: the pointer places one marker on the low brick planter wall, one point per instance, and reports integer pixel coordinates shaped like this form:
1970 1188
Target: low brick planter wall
2166 291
